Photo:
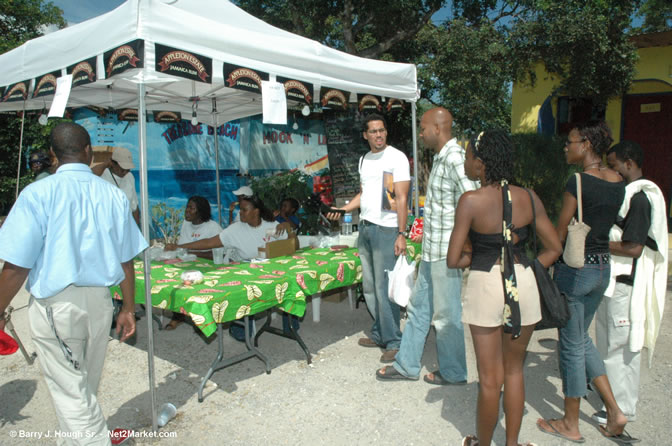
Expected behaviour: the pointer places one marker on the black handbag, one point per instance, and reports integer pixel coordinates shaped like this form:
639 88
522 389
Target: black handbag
554 308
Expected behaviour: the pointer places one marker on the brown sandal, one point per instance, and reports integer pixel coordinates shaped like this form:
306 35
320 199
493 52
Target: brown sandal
173 324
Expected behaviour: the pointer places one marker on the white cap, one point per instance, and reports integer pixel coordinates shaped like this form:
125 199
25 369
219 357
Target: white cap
123 157
244 190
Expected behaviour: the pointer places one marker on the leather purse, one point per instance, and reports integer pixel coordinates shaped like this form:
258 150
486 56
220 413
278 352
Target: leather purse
554 308
575 243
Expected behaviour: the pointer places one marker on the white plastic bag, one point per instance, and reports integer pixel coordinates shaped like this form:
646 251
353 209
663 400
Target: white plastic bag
400 281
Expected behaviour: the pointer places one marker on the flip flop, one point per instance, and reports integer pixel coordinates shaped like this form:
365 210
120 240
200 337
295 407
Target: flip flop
470 440
557 433
622 438
391 374
440 381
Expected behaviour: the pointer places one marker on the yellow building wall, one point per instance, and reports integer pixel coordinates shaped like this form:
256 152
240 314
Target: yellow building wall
653 75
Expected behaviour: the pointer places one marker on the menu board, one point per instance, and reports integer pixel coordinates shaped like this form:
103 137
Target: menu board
345 145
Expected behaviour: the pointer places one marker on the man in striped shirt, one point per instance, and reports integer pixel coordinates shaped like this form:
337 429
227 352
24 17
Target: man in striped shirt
447 182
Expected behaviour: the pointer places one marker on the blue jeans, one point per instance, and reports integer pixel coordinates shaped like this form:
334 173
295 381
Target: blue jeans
580 362
376 252
446 308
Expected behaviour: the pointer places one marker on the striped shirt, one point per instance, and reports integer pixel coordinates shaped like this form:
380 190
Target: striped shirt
447 182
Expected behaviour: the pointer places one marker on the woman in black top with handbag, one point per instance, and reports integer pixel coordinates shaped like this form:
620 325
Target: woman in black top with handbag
500 301
601 193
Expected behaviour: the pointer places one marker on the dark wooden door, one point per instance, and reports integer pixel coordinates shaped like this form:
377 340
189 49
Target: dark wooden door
648 121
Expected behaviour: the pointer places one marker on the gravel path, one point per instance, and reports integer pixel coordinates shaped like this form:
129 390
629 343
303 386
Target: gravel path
334 401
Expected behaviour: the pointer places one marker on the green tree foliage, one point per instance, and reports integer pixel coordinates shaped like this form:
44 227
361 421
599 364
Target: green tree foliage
657 15
466 68
583 44
366 28
21 20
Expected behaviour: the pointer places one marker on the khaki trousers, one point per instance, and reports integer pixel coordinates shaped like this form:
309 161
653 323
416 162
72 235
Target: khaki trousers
70 331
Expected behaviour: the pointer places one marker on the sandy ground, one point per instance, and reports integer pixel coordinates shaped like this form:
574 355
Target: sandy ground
334 401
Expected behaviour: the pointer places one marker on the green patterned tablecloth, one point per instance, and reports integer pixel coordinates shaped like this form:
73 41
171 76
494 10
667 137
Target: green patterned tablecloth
230 292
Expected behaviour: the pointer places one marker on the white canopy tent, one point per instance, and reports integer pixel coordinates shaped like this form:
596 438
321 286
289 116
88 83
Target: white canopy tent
217 30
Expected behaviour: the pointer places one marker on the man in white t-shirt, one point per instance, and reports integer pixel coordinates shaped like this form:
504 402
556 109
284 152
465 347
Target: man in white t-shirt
117 171
385 178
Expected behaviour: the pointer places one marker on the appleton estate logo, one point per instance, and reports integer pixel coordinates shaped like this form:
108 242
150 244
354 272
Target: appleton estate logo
18 92
125 51
369 102
183 56
334 97
128 114
46 85
394 105
83 71
167 116
236 78
304 92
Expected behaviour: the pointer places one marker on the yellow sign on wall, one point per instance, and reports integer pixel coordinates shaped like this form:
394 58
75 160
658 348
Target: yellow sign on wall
649 108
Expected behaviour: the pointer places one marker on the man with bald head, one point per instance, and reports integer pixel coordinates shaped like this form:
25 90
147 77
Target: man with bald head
73 236
437 288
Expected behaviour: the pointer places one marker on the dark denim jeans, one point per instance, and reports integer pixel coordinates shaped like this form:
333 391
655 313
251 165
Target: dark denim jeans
580 361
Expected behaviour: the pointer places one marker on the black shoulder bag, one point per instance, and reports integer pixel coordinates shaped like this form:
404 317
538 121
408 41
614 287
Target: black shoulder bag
554 308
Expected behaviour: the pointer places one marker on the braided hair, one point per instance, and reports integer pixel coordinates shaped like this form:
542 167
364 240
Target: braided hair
495 149
598 133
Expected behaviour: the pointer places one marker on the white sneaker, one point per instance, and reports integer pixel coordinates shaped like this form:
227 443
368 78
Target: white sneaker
601 417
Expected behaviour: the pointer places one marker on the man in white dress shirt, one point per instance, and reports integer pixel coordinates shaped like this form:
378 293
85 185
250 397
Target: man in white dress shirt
72 235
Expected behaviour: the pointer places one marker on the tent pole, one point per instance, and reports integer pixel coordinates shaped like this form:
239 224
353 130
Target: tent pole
144 198
18 164
216 132
416 203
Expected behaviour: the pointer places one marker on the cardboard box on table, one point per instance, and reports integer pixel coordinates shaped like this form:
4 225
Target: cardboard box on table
280 248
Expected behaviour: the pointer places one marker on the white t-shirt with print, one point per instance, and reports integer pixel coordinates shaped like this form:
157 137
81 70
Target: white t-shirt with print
246 239
376 205
191 232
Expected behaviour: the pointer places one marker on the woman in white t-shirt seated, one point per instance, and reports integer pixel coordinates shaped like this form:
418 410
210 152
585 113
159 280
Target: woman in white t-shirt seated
198 224
244 238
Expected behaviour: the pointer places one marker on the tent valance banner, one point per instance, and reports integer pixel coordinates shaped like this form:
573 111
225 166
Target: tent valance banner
16 92
124 57
243 78
83 72
334 98
394 105
128 114
167 116
183 63
369 103
46 85
297 90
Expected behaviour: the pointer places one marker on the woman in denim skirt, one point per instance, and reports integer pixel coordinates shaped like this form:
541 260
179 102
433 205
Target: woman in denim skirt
602 193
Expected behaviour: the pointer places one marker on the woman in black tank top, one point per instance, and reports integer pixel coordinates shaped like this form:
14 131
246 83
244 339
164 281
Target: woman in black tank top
579 360
501 308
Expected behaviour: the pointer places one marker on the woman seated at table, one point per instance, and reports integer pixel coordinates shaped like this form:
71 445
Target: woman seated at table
197 225
244 238
287 212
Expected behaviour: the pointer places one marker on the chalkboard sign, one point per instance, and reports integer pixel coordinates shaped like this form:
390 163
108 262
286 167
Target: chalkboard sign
345 145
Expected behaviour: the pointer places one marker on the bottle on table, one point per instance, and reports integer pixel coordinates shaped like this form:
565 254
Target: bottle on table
346 227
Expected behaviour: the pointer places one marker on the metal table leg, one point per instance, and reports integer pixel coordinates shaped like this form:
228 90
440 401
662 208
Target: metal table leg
220 363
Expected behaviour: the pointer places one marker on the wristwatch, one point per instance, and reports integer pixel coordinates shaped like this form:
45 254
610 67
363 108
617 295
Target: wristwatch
405 234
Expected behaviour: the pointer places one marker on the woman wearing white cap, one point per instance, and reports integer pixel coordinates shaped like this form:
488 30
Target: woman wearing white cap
243 191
